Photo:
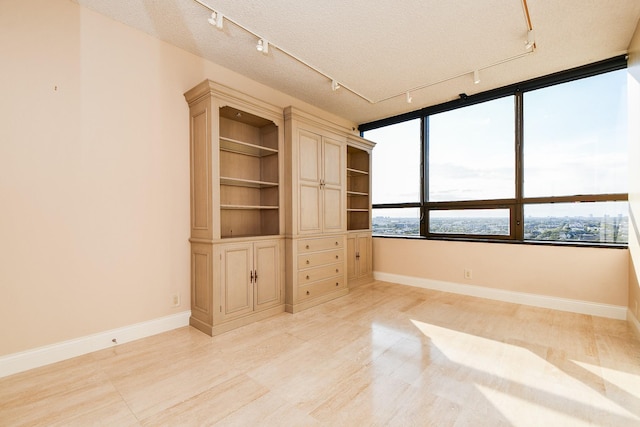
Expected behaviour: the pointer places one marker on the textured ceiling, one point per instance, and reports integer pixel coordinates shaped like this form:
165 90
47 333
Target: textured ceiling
378 50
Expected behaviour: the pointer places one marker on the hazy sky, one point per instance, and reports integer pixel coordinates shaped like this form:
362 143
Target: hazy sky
575 143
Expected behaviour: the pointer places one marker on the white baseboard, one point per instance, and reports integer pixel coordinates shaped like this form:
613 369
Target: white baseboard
29 359
535 300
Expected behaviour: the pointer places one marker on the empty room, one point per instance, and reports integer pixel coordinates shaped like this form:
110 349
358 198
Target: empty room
415 213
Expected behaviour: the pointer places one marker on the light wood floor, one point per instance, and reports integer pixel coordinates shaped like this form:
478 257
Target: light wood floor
384 355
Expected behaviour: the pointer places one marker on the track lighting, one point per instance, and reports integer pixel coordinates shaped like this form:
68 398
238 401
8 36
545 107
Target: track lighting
476 76
335 85
263 46
409 98
216 20
531 40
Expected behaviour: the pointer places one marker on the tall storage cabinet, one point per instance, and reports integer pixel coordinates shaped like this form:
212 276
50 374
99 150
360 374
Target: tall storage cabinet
359 239
237 215
316 153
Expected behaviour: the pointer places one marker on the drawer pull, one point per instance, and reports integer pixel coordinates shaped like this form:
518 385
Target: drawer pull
307 292
336 283
336 243
337 257
307 247
307 277
307 261
337 271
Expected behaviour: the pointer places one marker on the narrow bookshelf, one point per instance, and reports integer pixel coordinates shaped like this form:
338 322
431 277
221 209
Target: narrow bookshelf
358 189
249 181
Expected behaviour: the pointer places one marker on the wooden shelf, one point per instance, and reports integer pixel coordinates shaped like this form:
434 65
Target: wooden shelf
240 147
356 172
239 182
356 193
357 210
247 207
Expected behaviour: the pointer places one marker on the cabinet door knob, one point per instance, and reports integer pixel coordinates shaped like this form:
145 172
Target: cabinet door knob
337 271
337 257
307 261
336 243
337 283
307 247
307 292
307 277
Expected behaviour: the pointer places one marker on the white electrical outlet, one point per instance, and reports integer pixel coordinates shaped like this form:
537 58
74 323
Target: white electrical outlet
175 300
468 274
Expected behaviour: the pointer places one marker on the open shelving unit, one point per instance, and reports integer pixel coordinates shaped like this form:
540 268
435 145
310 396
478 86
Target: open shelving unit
358 189
249 178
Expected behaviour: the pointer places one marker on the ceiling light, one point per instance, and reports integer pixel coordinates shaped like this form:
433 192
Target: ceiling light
335 85
409 98
476 76
263 46
531 40
216 20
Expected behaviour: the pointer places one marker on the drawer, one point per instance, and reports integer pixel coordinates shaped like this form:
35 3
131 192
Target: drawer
319 273
320 258
318 289
321 244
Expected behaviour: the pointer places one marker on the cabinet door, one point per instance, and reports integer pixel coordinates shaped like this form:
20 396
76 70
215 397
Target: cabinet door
352 272
236 288
332 189
268 285
364 259
309 190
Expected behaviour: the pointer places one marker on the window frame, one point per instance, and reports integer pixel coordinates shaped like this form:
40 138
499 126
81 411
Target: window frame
515 205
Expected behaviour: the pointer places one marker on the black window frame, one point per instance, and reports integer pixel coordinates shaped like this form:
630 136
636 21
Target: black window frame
516 204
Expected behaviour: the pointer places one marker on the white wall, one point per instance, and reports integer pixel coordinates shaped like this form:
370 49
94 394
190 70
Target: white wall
94 172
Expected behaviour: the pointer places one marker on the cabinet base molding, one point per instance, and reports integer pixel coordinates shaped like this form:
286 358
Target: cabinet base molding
295 308
236 323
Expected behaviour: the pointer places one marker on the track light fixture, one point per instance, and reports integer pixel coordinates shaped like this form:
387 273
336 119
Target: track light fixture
476 76
531 40
216 20
263 46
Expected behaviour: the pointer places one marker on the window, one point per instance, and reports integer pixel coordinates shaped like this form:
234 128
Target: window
544 160
471 152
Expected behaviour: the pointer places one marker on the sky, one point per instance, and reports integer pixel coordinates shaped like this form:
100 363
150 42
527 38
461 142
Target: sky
575 143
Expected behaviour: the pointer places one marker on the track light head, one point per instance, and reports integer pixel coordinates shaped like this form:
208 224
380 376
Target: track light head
531 40
335 85
263 46
216 20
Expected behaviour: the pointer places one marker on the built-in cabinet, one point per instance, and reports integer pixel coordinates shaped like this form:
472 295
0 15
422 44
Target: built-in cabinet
316 216
237 199
249 279
277 197
359 239
359 258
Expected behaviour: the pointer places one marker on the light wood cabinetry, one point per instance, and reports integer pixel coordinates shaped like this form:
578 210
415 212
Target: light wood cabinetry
320 182
316 216
249 278
237 218
359 240
359 258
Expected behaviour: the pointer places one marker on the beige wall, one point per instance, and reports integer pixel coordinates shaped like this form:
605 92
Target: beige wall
94 172
587 274
634 171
